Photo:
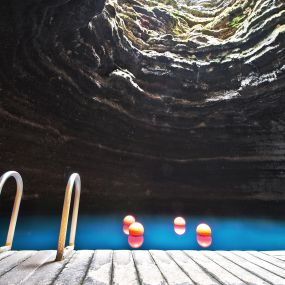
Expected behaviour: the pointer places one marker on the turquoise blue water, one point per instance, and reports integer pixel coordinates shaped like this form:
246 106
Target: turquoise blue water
101 232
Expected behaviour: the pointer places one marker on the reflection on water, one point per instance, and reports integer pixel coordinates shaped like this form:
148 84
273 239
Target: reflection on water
98 232
204 241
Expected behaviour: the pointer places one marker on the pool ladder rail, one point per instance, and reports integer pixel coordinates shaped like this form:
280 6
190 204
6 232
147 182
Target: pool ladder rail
62 251
17 202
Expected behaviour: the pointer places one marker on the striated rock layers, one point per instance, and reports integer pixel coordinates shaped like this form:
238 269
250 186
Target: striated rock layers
152 102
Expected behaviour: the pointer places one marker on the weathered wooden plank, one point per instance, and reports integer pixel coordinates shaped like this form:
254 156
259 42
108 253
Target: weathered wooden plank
274 252
24 270
271 259
253 268
100 269
142 267
170 270
6 254
218 272
48 271
75 270
13 260
280 254
236 270
147 270
264 264
191 268
124 271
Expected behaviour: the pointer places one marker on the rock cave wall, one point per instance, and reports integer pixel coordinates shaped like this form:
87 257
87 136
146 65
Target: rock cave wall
152 101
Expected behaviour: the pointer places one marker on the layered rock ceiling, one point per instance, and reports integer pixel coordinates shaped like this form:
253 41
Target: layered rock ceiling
152 102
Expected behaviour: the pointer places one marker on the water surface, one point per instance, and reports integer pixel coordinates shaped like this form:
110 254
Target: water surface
105 232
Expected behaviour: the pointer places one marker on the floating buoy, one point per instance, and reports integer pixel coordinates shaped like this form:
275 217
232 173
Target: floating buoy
179 221
203 230
135 241
179 225
136 229
204 241
204 235
128 220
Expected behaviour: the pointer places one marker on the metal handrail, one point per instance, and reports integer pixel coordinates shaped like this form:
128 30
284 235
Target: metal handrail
63 251
16 206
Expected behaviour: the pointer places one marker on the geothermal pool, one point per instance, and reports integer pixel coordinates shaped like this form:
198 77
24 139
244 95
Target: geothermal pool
105 232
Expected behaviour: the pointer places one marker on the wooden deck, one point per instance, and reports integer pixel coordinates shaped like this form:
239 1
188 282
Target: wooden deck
143 267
